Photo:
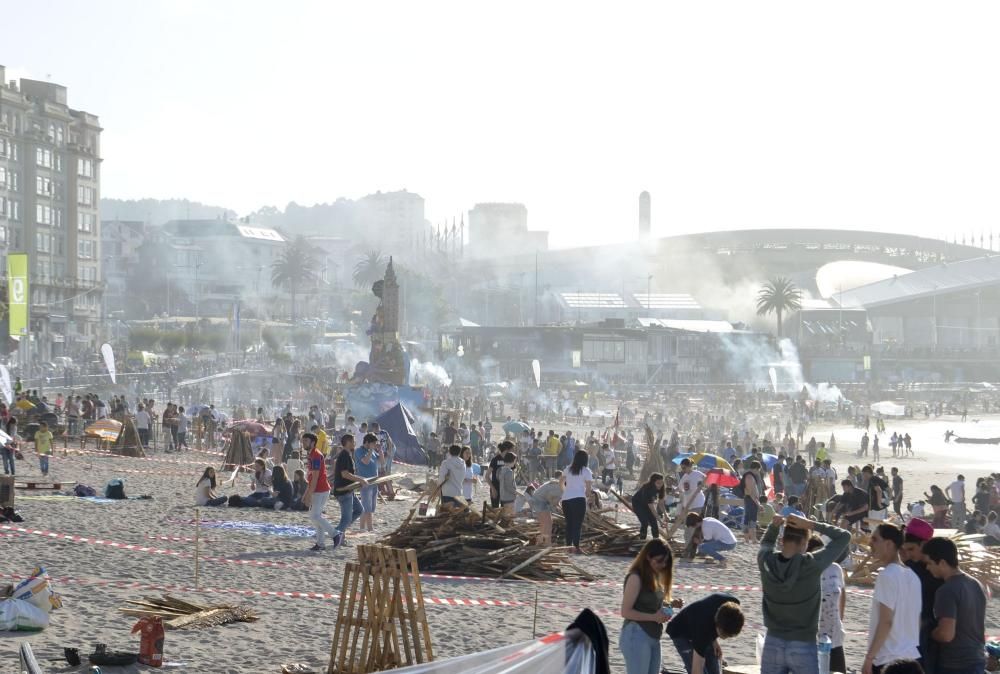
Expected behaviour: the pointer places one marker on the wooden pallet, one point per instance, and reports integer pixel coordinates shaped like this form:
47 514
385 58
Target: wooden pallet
382 606
54 486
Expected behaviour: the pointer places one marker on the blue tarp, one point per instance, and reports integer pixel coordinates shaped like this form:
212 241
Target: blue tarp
398 423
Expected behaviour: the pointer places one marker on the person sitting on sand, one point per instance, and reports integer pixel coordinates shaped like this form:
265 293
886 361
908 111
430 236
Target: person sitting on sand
281 488
299 486
205 490
261 483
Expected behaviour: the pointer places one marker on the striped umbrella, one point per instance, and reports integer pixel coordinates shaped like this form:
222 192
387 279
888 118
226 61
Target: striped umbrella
105 429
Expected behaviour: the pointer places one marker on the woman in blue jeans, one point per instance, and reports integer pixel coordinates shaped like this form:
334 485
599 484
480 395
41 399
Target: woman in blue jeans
647 587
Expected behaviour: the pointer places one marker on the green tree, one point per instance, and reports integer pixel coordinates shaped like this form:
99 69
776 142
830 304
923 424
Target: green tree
173 341
369 269
294 267
143 339
777 296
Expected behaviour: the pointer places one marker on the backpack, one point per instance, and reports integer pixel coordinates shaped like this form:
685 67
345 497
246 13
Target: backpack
740 491
115 489
84 490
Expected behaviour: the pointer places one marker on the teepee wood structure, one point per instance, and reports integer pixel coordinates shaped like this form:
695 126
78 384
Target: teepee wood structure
128 443
239 451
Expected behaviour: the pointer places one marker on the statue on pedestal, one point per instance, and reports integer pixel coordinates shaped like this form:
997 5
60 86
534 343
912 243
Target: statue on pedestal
387 362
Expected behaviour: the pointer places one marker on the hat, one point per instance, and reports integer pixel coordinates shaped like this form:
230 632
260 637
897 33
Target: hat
918 530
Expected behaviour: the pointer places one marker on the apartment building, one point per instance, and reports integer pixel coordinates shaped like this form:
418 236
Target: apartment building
49 198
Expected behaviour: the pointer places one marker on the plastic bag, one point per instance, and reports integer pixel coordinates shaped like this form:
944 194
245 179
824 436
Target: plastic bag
37 590
21 615
761 636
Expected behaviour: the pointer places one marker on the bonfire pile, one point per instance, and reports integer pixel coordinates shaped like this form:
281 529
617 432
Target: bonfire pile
177 614
489 543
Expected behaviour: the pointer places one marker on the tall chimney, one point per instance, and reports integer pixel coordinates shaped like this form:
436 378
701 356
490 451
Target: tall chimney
645 215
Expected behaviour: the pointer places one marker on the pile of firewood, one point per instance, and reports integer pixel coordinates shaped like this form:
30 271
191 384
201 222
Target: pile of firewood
490 543
177 614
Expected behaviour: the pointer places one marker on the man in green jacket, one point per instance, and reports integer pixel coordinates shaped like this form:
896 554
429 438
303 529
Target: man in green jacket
790 579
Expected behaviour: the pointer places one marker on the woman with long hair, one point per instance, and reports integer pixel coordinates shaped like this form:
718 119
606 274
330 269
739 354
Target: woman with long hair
278 434
205 490
471 473
577 482
647 590
644 502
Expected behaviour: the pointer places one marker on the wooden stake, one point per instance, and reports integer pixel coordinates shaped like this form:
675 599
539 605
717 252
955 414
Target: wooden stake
534 619
197 545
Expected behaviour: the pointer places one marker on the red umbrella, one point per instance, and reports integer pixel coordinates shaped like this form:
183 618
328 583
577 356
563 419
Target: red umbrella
721 477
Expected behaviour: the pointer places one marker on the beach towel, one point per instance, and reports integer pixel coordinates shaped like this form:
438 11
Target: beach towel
262 528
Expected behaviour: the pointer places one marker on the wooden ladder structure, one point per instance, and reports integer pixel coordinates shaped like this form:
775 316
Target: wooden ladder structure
382 607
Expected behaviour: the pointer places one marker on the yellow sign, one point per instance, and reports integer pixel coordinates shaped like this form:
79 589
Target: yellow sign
868 362
17 293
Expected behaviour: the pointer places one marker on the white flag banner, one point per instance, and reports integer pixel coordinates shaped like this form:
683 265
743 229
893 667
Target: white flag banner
536 367
5 387
109 361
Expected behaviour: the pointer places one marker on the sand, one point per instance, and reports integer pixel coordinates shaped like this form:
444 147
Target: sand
91 575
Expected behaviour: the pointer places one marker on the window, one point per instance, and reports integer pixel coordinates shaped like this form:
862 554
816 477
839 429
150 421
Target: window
85 249
85 168
85 222
6 207
43 157
3 235
57 218
15 211
43 214
85 195
4 144
604 351
43 242
44 186
87 274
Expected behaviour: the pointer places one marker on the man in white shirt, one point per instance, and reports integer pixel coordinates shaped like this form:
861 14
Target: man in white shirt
691 483
451 477
956 494
142 422
716 537
894 622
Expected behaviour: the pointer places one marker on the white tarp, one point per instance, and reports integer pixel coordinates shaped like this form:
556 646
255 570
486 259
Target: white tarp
554 654
887 408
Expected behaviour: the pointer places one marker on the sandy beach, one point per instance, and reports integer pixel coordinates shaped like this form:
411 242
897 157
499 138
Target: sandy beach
101 554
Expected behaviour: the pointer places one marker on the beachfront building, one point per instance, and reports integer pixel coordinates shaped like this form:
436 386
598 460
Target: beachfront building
50 167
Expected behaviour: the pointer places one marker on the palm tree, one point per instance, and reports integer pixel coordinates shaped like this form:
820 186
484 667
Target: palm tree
777 296
369 269
293 267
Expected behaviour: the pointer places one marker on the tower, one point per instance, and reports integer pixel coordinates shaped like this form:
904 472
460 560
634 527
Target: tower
645 215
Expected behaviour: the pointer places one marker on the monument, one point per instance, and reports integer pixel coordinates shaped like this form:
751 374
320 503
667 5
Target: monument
381 382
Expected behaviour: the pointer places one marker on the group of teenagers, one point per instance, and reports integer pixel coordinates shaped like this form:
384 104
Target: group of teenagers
926 614
349 475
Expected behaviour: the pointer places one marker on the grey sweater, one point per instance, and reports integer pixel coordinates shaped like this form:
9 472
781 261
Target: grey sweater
508 491
791 586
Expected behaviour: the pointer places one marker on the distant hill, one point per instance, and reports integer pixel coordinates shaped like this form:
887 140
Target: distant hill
158 211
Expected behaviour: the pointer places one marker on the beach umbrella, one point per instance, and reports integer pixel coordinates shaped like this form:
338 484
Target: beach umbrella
106 429
721 477
768 460
23 404
515 427
252 427
705 460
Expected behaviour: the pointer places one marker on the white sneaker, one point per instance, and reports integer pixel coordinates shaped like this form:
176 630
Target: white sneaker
278 505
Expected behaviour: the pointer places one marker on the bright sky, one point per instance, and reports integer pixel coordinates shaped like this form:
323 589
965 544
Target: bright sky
866 115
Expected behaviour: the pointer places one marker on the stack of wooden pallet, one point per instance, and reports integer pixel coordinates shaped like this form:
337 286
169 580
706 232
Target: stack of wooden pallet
178 614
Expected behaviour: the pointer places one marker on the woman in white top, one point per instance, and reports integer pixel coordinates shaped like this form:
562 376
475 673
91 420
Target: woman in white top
577 481
471 474
205 490
831 610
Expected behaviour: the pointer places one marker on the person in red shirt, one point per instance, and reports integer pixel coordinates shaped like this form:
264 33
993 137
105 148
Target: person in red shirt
317 494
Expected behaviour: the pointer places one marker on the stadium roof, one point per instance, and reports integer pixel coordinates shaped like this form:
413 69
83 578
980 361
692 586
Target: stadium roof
593 300
665 301
941 279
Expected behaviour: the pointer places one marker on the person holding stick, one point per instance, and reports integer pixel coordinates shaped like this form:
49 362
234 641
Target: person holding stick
543 502
644 502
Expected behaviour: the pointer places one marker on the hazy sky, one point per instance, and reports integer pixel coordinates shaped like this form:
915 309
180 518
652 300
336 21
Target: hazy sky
870 115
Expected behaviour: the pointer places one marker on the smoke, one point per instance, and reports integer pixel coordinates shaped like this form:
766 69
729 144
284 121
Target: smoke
428 373
348 354
755 360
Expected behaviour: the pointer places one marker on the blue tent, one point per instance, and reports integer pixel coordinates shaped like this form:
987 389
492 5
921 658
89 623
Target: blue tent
398 423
